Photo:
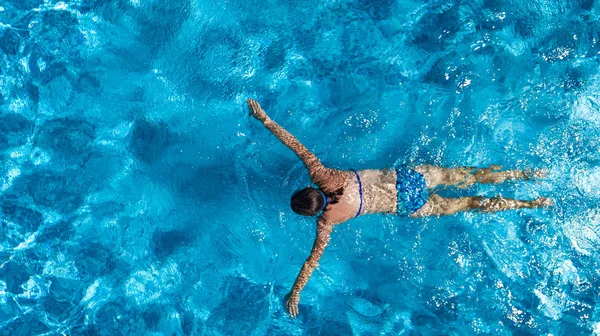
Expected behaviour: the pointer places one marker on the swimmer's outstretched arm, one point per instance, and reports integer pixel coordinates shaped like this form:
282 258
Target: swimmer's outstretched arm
315 168
323 234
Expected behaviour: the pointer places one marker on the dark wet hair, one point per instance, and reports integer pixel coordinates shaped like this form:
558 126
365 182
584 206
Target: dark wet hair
309 201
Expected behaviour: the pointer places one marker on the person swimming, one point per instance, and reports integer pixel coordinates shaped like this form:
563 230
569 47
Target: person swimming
407 191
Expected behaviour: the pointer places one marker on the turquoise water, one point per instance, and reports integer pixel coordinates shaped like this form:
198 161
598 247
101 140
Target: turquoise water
138 198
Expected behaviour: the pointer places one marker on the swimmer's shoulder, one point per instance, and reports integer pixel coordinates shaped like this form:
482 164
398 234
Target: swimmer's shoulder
336 215
334 179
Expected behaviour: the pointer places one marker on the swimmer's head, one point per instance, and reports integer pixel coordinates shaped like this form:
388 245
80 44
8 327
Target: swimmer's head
308 201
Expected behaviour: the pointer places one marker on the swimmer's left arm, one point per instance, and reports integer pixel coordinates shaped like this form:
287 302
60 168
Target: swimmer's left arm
318 173
323 234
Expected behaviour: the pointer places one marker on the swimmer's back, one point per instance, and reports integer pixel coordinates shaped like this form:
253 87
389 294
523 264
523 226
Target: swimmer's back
372 191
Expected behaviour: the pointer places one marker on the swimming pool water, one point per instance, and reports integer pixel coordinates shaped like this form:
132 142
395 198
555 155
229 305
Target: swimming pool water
138 198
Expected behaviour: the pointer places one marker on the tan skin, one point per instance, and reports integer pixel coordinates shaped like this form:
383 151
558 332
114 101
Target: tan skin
380 195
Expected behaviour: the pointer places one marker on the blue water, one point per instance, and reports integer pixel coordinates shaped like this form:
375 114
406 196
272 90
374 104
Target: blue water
138 198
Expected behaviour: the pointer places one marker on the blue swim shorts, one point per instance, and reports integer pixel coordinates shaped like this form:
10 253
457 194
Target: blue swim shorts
412 190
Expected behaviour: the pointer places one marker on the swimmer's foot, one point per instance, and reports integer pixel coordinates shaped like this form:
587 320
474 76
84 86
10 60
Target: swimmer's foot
536 174
539 173
543 202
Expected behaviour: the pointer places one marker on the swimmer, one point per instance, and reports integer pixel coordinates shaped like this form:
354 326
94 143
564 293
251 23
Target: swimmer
342 195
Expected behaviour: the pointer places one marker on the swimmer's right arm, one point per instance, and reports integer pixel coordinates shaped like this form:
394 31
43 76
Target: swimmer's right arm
315 167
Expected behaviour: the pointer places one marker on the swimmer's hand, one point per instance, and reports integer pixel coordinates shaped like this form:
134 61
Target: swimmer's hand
256 110
291 306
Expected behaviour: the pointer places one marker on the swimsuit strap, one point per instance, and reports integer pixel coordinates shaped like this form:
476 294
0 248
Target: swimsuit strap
360 193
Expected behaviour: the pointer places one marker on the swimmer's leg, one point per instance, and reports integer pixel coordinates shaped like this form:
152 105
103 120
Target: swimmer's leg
441 206
467 176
